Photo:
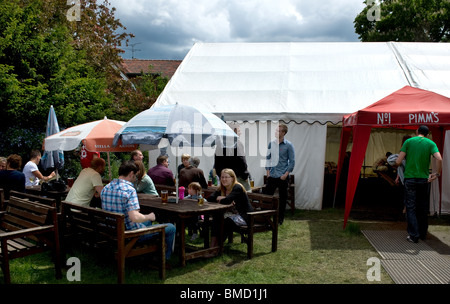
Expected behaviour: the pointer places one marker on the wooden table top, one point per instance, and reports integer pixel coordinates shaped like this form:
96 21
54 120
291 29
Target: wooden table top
37 188
184 206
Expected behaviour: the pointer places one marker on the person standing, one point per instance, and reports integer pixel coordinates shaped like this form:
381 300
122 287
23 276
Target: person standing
120 196
280 163
31 170
88 184
233 158
86 157
418 150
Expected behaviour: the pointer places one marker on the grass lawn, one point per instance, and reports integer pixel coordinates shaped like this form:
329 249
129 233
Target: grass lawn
312 249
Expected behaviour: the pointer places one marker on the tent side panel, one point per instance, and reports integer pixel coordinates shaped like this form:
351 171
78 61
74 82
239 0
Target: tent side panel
361 136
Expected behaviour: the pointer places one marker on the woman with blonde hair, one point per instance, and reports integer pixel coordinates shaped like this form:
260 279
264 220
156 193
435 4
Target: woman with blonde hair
230 193
144 183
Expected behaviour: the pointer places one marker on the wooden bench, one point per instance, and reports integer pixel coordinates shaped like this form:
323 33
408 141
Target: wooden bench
386 177
28 227
264 218
291 191
106 230
35 198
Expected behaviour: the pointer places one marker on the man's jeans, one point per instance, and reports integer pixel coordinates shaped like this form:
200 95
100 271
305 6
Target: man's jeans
170 236
282 185
417 206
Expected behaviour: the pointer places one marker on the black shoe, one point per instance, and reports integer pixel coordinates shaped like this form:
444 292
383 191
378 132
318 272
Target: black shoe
411 240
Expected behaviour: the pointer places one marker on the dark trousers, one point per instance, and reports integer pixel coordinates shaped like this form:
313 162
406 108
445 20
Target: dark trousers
417 206
282 185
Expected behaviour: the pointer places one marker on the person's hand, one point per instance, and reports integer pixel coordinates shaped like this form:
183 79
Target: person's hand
284 176
52 174
219 198
432 177
152 217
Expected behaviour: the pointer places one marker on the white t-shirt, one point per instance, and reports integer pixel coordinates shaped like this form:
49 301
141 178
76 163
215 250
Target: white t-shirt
30 179
83 188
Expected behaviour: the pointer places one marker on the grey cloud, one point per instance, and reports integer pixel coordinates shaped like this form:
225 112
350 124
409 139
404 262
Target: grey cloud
167 30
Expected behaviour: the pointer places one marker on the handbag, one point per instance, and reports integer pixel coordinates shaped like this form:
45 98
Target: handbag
54 185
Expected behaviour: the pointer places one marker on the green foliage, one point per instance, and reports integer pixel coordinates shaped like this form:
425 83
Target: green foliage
39 67
47 60
405 20
20 141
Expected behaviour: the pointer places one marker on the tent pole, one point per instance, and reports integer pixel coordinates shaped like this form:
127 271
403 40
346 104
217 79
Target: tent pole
176 175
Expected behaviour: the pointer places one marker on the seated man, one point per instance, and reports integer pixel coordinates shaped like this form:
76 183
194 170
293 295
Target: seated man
120 196
88 184
193 174
32 174
161 174
12 178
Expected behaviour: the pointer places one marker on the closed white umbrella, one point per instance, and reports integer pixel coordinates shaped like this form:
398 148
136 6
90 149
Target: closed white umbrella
52 158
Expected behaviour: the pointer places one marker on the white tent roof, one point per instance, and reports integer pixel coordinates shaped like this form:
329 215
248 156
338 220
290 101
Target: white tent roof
303 81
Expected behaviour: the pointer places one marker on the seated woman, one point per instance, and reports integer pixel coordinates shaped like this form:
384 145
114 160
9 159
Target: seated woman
144 183
230 193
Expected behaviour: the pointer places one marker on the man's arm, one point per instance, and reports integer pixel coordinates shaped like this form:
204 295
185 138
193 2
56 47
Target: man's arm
137 217
291 162
98 191
438 168
268 159
400 158
39 175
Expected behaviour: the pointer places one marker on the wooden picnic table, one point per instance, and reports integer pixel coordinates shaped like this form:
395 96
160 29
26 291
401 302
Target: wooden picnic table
182 211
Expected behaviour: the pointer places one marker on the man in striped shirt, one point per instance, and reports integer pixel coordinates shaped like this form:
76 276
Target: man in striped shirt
120 196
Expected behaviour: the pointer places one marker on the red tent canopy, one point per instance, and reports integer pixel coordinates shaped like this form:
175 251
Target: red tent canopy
406 108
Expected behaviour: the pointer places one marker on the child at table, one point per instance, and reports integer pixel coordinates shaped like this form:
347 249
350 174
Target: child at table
194 192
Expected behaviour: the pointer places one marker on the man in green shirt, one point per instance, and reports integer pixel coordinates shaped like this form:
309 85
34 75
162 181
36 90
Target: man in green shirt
418 150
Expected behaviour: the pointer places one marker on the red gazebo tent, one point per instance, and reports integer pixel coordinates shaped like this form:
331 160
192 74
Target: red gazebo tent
407 108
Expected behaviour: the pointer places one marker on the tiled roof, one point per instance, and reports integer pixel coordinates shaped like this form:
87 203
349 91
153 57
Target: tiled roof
134 67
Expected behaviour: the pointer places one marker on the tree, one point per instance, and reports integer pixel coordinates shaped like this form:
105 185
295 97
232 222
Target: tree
404 20
47 60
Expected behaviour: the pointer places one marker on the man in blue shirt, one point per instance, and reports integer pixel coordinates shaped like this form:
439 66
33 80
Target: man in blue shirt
120 196
280 163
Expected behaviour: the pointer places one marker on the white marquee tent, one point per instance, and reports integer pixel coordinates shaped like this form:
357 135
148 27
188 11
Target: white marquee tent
309 86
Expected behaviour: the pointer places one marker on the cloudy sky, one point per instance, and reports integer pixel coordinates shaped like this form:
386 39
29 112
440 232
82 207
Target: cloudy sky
167 29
